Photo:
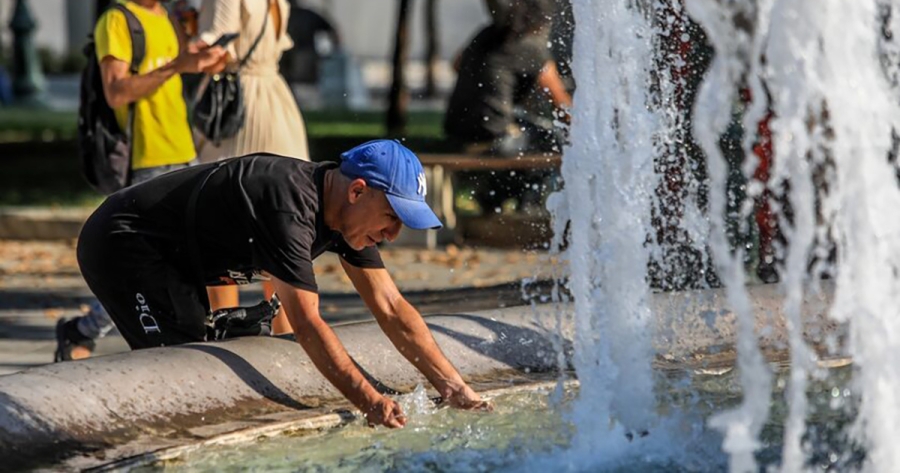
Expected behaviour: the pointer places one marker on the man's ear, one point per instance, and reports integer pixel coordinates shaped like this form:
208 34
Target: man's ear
356 189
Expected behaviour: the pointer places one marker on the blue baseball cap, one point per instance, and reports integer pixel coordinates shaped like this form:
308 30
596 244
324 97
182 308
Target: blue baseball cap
392 168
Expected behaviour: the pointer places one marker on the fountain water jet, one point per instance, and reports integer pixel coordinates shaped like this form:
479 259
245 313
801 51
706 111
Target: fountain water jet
826 70
733 30
611 166
863 112
799 153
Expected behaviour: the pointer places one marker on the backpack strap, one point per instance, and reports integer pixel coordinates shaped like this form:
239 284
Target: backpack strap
138 39
258 38
138 49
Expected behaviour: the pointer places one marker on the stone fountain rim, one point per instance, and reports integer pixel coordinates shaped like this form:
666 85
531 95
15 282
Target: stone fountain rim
254 376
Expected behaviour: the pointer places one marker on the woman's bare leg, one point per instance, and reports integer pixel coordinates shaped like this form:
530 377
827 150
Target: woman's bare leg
222 297
280 324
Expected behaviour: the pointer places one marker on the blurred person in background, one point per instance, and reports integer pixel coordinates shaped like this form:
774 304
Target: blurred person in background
161 138
314 37
273 123
503 65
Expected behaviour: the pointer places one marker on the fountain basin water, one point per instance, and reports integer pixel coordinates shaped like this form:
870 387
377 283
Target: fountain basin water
529 431
92 412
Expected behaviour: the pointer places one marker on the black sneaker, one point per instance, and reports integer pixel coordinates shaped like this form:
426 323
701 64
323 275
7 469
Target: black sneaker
67 338
243 321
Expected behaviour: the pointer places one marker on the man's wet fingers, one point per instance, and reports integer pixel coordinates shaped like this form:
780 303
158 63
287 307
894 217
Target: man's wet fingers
480 406
398 415
394 423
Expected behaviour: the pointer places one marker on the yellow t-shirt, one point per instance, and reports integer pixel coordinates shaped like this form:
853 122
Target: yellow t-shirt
162 135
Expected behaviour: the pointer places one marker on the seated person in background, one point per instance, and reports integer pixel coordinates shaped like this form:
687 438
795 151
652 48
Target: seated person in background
503 66
503 63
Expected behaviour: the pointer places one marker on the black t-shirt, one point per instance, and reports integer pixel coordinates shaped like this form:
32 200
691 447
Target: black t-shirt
256 213
495 72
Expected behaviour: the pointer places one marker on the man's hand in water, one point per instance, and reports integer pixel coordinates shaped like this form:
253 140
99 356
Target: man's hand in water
385 412
463 397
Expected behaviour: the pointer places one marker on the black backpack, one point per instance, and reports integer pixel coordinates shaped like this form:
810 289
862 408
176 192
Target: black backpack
105 147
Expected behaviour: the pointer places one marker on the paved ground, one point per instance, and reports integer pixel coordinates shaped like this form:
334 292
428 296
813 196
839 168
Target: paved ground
40 282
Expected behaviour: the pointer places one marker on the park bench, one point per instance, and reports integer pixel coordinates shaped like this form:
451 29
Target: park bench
441 167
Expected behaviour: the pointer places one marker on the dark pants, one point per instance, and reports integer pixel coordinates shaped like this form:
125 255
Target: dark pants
530 135
152 302
97 322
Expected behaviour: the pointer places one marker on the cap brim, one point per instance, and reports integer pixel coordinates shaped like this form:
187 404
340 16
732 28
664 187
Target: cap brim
414 214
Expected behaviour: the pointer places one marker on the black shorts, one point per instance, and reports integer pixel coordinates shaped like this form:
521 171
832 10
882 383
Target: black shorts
152 301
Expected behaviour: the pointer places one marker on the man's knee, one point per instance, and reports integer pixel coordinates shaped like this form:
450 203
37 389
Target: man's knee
150 318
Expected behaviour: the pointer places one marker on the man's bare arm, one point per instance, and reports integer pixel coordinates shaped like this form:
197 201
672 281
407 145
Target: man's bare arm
331 358
120 87
406 329
550 81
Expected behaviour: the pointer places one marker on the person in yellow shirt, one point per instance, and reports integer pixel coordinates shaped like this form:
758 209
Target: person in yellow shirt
161 134
161 137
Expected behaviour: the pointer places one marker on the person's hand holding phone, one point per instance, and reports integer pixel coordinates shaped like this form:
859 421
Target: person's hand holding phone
226 39
209 59
222 43
203 60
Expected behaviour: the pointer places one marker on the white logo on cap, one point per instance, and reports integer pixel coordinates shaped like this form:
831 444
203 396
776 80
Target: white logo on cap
422 190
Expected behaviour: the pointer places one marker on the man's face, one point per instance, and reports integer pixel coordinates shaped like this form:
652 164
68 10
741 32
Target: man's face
369 219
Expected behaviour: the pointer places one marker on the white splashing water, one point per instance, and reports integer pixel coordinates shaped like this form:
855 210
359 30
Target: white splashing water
835 111
791 47
729 27
862 111
609 185
835 104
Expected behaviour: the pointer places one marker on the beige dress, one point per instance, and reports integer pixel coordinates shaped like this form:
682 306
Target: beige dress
273 123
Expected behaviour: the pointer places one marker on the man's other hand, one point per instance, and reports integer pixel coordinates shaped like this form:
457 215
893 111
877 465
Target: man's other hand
384 411
463 397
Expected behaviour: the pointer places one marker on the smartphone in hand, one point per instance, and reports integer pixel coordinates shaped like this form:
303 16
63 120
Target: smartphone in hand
225 39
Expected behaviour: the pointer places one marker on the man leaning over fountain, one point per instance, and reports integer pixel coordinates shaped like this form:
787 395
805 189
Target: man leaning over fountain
149 251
